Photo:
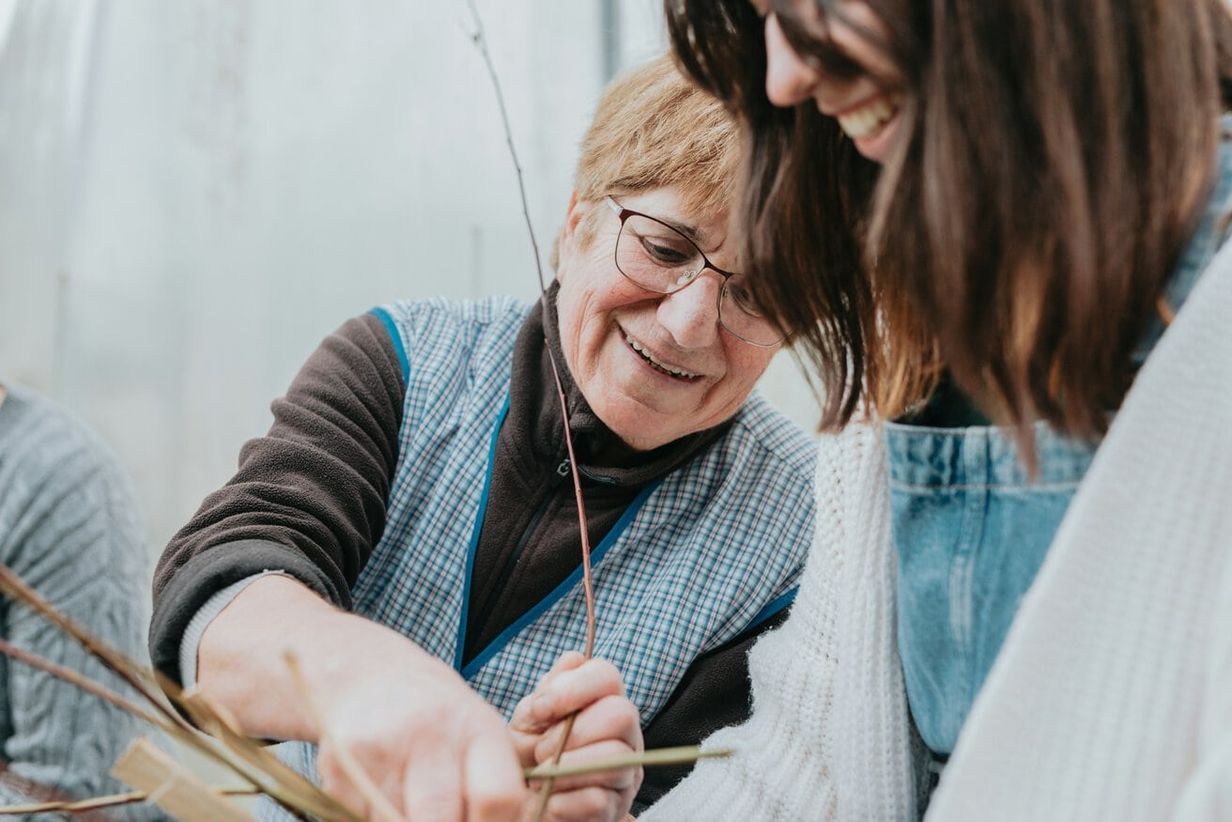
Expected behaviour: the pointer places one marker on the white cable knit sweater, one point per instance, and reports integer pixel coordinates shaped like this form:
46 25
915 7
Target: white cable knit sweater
1112 695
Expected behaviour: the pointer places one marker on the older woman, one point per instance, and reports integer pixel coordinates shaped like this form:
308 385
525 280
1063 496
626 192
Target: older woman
416 476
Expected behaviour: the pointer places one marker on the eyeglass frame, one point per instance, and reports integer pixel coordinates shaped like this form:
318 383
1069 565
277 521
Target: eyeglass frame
623 214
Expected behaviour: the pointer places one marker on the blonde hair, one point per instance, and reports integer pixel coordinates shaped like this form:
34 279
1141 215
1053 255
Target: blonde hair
653 128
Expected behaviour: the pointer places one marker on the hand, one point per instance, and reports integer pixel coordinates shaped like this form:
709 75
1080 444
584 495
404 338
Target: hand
433 748
607 725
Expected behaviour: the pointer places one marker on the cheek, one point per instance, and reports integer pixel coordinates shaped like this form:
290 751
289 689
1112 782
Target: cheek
587 304
568 321
744 369
753 364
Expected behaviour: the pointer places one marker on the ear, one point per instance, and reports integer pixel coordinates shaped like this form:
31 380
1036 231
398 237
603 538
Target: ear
573 216
565 240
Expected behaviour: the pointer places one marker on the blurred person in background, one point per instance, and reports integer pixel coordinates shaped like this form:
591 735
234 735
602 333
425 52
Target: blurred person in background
408 526
69 528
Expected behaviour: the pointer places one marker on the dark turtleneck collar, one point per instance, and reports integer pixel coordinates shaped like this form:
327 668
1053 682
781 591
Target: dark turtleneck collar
534 415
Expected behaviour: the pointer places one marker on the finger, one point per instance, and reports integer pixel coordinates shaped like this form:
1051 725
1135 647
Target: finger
432 787
570 691
494 788
585 804
615 779
611 718
523 718
567 662
340 789
338 781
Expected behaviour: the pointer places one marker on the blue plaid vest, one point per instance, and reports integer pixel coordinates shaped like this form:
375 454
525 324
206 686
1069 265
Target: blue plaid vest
697 559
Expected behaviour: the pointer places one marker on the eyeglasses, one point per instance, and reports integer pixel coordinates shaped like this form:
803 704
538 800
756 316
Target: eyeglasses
657 257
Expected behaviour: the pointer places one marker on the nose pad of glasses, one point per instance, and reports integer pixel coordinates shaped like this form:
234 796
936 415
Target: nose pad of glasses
684 279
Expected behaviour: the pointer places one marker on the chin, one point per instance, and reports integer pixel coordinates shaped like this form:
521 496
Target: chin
635 425
638 438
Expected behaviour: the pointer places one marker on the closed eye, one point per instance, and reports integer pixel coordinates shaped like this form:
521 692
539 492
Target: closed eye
666 252
743 298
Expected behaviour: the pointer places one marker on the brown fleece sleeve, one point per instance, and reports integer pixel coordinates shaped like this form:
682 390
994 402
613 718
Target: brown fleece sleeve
309 497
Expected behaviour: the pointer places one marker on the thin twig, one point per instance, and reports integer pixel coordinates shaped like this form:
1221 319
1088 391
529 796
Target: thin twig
144 681
280 782
363 783
80 681
100 802
77 805
645 759
133 674
481 43
244 757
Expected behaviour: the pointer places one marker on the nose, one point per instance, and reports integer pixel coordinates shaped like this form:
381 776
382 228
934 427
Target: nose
691 315
789 80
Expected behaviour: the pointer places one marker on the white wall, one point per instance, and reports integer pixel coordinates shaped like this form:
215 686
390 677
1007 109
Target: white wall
194 192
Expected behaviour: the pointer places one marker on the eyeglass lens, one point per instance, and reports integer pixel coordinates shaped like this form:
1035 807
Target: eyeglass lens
659 258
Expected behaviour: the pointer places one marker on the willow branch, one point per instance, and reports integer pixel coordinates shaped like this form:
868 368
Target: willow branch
133 674
251 759
481 43
76 806
82 682
145 682
645 759
98 803
244 757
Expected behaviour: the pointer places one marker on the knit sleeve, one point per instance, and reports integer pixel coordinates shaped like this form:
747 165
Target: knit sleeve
713 692
309 498
828 735
72 534
1206 795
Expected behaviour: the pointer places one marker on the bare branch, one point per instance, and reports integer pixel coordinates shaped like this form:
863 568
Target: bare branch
81 681
137 677
657 757
481 43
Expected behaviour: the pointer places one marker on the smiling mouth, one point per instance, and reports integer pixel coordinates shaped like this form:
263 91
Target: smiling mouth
661 367
869 119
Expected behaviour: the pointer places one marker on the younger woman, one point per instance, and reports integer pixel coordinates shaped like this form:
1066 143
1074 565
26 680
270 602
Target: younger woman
999 225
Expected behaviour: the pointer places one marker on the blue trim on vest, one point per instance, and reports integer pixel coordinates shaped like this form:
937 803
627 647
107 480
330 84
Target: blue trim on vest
596 556
388 321
470 553
772 609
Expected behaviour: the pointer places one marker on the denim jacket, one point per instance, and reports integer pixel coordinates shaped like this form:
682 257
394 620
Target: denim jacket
971 530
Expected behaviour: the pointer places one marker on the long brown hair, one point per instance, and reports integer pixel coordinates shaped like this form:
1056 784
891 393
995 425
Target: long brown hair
1056 157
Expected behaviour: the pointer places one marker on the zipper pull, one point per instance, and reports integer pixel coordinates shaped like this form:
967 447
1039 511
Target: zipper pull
563 469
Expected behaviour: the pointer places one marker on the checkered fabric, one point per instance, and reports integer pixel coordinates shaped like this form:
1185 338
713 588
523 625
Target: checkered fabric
696 560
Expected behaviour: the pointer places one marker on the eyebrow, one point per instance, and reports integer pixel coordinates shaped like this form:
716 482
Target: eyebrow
688 230
684 228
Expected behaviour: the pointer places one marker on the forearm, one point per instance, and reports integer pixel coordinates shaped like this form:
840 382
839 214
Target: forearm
242 658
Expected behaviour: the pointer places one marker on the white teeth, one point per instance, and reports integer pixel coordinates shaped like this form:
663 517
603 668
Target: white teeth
868 119
675 372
